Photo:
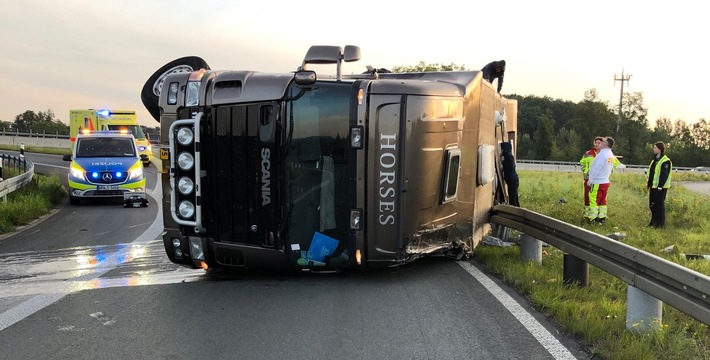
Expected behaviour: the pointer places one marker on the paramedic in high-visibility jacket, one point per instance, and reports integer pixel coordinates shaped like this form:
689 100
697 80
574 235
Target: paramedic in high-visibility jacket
584 163
658 181
599 173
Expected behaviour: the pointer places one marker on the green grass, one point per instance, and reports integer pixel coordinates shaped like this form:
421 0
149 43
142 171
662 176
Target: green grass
597 312
38 149
31 201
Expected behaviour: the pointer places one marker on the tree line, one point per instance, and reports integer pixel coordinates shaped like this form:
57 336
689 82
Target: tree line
560 130
45 122
548 129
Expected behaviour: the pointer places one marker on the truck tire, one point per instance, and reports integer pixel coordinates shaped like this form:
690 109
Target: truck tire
150 93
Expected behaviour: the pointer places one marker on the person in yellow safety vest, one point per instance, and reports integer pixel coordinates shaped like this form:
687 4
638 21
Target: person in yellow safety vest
599 172
658 182
584 163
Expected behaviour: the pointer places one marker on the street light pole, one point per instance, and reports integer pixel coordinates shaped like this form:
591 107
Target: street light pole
621 94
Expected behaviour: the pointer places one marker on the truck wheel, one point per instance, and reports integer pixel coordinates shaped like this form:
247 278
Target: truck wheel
150 93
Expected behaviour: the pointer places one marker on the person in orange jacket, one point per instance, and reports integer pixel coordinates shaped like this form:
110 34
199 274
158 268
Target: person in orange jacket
584 164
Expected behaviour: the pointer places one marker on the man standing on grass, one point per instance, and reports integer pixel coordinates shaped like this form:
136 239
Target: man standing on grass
599 172
659 175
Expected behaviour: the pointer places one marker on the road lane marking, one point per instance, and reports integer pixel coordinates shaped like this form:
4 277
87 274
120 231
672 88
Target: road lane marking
544 337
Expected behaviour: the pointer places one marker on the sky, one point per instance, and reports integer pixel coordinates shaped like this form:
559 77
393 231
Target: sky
72 54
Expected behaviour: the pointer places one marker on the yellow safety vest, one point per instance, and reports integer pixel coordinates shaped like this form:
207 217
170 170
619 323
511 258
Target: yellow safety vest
657 172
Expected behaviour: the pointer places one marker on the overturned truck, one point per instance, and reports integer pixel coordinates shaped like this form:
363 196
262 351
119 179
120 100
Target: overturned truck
311 171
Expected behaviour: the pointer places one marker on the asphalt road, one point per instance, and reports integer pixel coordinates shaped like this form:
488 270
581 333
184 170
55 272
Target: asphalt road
92 281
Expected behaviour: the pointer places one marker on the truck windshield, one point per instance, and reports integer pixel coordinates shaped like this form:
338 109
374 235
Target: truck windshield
316 173
105 147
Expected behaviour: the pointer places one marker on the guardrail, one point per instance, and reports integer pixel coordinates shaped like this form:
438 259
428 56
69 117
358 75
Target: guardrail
39 134
22 165
574 166
684 289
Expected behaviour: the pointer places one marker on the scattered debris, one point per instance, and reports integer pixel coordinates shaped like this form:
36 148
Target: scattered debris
697 257
494 241
617 235
562 201
669 249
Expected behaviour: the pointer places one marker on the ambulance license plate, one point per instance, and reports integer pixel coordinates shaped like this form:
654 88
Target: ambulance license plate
107 187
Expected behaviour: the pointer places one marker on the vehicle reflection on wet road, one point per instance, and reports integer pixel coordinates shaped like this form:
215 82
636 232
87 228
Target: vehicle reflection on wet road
83 268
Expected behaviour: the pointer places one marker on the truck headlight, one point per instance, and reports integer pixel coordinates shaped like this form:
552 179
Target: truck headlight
198 253
356 219
172 93
186 209
185 136
185 161
356 140
185 185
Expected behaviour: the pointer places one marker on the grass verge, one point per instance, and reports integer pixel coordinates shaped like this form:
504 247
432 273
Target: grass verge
31 201
38 149
597 313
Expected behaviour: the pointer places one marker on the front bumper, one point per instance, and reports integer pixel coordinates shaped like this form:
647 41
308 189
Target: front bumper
89 191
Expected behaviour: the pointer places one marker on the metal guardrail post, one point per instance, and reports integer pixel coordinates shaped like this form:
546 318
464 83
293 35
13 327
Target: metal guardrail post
530 249
501 232
574 271
643 311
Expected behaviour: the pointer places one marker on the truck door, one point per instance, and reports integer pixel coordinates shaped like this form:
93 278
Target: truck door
384 183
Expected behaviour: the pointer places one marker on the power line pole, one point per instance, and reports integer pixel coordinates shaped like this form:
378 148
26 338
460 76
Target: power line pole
623 78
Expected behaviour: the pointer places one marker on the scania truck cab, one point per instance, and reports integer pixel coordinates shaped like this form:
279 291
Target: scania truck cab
312 171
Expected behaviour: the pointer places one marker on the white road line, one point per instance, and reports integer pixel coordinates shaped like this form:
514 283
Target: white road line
50 165
39 302
544 337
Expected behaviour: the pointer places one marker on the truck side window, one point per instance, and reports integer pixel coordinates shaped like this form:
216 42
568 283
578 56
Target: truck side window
451 174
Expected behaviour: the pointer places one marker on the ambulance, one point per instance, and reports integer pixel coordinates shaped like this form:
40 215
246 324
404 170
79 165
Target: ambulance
112 120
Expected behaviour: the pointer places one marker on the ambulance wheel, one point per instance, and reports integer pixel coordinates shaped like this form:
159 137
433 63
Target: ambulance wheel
150 94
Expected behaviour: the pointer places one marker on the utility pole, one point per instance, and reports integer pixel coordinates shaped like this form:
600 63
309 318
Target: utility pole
623 78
